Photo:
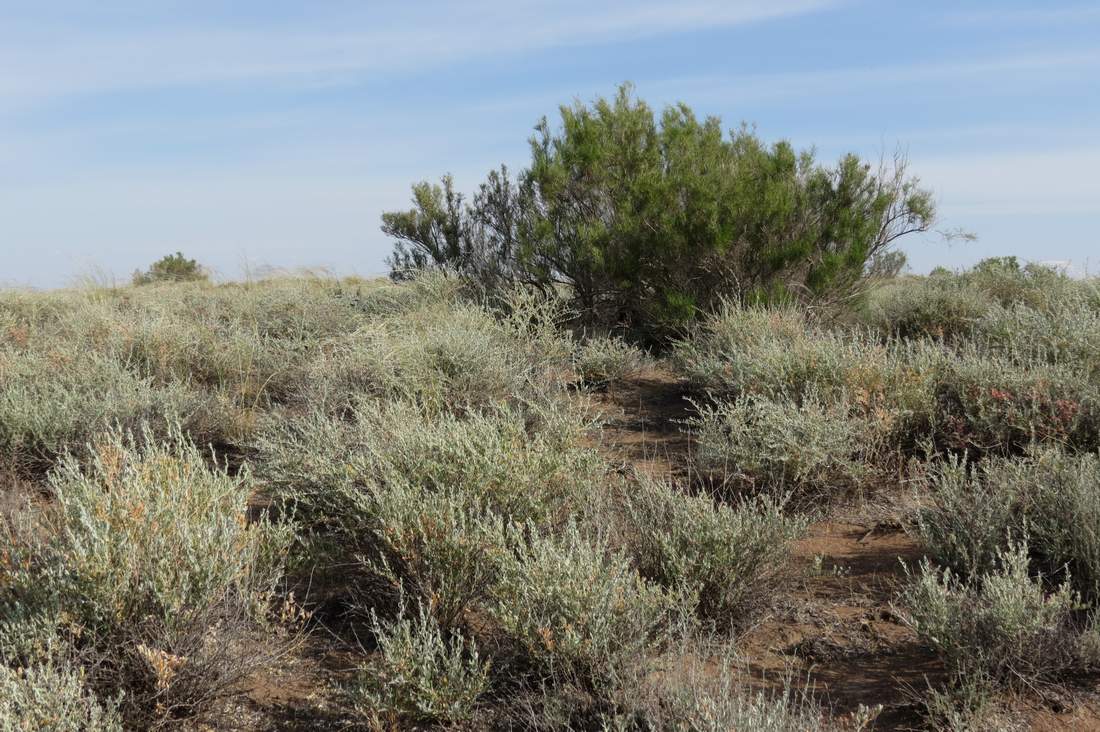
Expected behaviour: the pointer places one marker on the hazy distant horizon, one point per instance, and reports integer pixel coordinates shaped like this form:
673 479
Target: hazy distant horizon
277 133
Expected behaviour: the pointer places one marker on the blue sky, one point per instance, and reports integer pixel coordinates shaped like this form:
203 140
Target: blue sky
275 133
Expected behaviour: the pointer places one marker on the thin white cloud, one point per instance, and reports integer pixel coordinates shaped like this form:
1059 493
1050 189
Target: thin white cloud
89 62
798 84
1017 183
1044 15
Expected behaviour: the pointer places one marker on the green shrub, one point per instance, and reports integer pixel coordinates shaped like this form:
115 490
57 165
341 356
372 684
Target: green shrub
972 513
171 268
778 353
726 557
1061 494
419 674
944 308
782 446
151 571
649 221
604 360
575 608
1066 334
969 514
708 693
51 698
1002 623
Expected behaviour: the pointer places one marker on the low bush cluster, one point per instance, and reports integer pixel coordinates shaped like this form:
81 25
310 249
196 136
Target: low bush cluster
147 572
716 555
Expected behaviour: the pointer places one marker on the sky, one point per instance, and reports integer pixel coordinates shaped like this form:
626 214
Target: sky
250 134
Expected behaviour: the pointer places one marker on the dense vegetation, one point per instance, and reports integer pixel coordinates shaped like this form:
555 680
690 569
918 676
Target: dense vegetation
649 222
197 478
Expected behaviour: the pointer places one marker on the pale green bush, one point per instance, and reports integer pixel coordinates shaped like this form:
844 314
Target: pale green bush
991 404
152 571
783 446
1061 494
56 400
443 548
454 358
707 692
1066 333
420 674
727 558
971 513
575 608
769 352
604 360
968 514
1002 623
323 466
942 307
780 355
51 698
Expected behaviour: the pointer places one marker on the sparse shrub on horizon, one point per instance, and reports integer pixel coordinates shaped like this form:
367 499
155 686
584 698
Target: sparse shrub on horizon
171 268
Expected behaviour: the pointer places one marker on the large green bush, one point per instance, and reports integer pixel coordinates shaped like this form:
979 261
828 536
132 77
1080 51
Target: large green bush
649 221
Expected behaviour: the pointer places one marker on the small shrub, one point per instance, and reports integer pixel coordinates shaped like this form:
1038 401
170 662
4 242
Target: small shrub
724 556
991 405
943 308
969 514
443 548
51 698
152 573
1060 496
604 360
1002 623
171 268
782 446
448 359
575 608
419 674
85 393
707 694
324 466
